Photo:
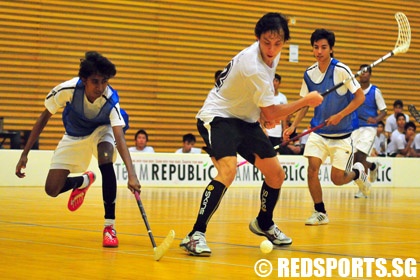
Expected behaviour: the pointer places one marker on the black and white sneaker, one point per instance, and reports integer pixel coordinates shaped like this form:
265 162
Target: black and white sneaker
362 182
274 234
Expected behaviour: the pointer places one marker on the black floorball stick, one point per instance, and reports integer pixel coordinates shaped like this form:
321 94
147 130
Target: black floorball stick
160 250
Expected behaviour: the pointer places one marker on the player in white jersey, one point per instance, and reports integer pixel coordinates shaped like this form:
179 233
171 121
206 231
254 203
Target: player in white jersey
275 133
364 136
93 123
228 123
338 112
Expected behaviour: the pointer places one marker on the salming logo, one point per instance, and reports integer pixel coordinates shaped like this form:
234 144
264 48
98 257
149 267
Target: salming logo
76 198
264 201
207 195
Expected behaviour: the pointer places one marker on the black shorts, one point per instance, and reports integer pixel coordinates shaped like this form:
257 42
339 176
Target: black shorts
229 137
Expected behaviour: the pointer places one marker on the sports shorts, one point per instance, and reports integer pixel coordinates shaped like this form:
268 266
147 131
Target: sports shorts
229 137
75 153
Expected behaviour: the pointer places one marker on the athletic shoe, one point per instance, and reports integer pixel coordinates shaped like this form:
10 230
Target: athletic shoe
317 219
196 244
274 234
110 237
373 174
362 182
359 194
77 196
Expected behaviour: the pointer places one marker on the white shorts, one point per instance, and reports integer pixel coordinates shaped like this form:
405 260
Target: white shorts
75 153
363 139
340 151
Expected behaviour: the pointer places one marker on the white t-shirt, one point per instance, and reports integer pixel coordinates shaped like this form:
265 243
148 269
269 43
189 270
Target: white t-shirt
380 141
416 142
277 131
246 84
147 149
397 142
63 93
192 151
391 123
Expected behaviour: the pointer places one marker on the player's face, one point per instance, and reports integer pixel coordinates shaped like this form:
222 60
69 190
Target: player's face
141 141
401 121
95 85
322 51
271 44
364 78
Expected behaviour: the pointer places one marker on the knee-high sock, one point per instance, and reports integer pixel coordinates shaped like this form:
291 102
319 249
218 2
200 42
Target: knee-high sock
268 197
109 189
72 183
210 201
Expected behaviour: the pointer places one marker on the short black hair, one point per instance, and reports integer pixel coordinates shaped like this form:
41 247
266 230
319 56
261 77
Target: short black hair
189 137
399 115
95 63
141 131
321 33
273 22
381 123
364 66
277 77
399 103
410 124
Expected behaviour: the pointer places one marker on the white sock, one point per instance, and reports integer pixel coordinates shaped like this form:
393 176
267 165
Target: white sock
85 181
109 222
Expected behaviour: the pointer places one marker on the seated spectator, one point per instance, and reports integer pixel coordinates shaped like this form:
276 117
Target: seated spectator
391 121
379 146
293 147
188 141
416 146
401 144
141 138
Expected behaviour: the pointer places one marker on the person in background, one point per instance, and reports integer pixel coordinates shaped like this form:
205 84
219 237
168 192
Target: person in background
93 124
391 120
364 136
141 138
379 146
392 149
402 140
275 133
188 141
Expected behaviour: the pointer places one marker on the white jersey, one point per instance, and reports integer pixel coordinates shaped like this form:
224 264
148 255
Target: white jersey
416 142
246 84
63 93
277 131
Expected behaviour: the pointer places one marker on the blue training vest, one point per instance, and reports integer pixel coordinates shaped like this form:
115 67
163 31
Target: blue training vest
74 119
368 108
331 105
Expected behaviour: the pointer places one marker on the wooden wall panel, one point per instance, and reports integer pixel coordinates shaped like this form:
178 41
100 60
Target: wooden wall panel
166 53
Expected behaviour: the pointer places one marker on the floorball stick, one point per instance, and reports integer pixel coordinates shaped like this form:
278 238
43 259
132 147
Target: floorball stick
160 250
413 111
401 46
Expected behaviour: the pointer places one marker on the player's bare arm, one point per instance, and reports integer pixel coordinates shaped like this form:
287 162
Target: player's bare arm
281 111
36 131
359 98
133 182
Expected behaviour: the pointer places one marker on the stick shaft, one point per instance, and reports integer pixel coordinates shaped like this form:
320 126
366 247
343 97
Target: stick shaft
146 222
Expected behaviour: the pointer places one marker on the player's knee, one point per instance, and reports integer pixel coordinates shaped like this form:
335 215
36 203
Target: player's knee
51 191
276 178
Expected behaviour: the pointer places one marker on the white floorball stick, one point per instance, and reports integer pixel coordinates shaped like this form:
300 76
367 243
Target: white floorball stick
401 46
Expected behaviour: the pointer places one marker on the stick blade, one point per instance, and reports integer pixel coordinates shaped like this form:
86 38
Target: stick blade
413 111
164 247
404 34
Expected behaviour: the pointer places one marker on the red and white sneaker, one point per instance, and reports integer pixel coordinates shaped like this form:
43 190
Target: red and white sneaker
110 237
77 196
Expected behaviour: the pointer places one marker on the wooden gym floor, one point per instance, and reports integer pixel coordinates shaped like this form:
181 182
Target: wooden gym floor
41 239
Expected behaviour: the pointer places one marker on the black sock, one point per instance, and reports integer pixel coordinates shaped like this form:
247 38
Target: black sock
72 183
268 197
109 189
357 174
210 201
320 207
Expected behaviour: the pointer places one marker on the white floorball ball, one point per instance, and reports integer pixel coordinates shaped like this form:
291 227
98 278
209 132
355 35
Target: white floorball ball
266 246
